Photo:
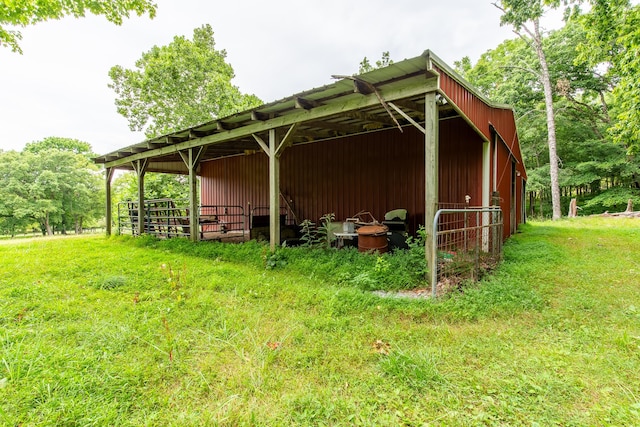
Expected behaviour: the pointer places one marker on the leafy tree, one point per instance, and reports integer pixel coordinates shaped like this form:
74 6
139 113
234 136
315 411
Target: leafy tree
56 188
582 100
365 64
28 12
179 85
612 41
62 144
65 191
524 16
156 186
15 211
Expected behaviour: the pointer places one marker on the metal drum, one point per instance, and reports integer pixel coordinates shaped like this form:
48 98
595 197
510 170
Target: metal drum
372 238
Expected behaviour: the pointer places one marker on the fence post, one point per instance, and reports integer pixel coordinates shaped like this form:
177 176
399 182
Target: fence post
495 201
477 250
433 255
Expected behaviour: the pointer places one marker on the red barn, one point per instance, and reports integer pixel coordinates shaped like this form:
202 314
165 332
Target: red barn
412 135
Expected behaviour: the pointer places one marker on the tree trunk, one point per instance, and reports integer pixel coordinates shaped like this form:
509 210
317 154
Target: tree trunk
78 225
47 225
541 210
551 123
573 209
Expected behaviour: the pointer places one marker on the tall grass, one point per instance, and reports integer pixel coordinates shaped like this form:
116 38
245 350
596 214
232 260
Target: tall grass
130 332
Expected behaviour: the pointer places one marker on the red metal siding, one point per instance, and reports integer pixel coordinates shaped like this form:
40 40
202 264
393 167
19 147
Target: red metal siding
484 117
503 186
375 172
460 161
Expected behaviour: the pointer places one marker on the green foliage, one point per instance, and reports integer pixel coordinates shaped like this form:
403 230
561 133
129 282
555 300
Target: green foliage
612 200
415 371
365 64
325 236
183 84
612 40
401 269
53 183
110 282
320 236
29 12
582 99
275 260
308 233
156 186
61 144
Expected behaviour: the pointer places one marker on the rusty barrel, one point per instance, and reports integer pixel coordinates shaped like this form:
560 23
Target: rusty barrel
373 238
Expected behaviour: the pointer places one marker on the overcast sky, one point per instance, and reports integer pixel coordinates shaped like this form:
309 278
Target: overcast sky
58 86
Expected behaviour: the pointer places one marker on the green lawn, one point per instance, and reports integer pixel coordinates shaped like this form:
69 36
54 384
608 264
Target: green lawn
131 332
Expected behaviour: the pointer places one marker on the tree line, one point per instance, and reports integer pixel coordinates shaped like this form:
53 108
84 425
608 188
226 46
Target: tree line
51 185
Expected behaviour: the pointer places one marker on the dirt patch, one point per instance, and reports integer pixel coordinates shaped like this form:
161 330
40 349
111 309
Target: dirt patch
444 287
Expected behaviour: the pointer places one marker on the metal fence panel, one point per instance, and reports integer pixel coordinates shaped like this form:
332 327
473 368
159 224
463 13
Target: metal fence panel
467 241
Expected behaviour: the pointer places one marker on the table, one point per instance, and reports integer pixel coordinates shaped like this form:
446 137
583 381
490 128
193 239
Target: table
342 236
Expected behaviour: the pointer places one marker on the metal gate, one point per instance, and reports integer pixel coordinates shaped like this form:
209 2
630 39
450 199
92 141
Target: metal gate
467 242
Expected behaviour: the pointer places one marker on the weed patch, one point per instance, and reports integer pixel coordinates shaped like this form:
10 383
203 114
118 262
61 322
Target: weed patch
109 282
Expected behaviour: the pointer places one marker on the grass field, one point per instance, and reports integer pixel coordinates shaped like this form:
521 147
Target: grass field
132 332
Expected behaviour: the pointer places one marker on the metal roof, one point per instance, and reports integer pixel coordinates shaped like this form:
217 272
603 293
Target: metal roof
350 105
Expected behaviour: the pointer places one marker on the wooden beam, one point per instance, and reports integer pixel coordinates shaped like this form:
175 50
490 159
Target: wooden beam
411 105
287 140
274 192
154 145
108 214
384 120
299 116
262 144
274 150
140 166
257 116
222 126
191 159
337 127
306 104
138 149
173 139
431 176
408 118
194 134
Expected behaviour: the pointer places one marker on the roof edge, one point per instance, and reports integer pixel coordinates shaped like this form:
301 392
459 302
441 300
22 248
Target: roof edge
432 57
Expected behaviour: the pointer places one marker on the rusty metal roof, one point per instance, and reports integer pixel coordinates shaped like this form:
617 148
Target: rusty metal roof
348 106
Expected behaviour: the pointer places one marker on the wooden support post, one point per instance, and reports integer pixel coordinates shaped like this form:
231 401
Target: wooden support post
191 159
108 214
140 166
496 239
486 193
274 192
274 150
430 176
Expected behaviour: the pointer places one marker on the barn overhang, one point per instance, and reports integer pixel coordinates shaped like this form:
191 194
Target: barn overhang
417 92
